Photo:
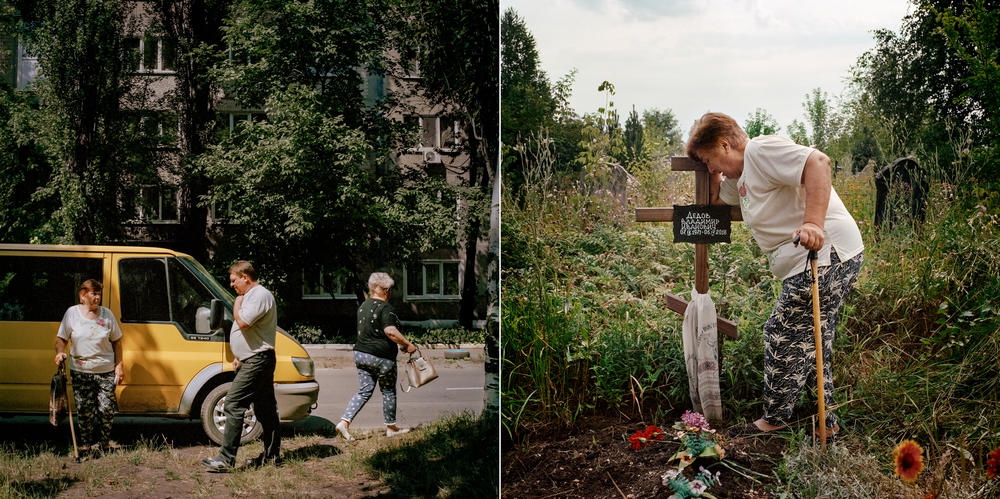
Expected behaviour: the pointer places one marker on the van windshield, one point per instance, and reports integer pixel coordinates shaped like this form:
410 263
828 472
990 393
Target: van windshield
207 278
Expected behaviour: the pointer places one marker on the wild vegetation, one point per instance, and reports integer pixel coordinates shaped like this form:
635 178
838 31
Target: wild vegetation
587 333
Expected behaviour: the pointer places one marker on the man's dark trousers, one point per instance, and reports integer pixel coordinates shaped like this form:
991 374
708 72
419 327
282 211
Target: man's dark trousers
254 383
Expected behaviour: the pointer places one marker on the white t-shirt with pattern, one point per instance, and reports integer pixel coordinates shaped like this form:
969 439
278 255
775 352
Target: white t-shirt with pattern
90 340
773 201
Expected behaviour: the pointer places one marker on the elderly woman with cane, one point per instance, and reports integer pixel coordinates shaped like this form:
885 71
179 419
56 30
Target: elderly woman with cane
375 355
95 365
785 193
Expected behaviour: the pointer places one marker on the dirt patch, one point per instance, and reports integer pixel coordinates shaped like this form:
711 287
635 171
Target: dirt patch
596 460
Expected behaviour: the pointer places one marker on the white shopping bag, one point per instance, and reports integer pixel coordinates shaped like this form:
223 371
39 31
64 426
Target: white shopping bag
701 341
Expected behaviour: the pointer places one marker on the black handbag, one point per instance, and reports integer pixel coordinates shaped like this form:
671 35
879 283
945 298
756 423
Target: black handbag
58 404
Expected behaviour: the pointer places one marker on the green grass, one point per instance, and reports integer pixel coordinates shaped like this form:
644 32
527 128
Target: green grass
457 457
585 325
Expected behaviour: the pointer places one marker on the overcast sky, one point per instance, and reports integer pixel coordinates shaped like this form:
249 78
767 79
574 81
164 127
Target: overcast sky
694 56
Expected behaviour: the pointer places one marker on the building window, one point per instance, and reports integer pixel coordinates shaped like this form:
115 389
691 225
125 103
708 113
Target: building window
27 67
436 133
433 280
412 69
317 285
159 204
430 132
229 123
158 127
151 54
220 212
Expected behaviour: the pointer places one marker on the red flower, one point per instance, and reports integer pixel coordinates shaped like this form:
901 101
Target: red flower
993 463
638 440
654 433
909 460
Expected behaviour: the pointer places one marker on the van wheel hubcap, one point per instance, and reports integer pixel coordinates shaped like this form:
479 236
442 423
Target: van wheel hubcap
219 417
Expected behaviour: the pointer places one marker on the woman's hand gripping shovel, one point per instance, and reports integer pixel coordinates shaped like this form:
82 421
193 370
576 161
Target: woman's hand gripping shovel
818 334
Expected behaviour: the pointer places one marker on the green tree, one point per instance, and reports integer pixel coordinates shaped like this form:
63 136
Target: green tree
922 82
662 134
863 151
818 115
304 193
634 151
760 122
456 43
797 132
973 36
527 103
322 44
84 121
194 29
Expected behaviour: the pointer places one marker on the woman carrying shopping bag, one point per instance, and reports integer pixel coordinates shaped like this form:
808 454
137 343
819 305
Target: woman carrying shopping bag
375 355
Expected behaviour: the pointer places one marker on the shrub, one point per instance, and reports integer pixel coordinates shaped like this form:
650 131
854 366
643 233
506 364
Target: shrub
307 334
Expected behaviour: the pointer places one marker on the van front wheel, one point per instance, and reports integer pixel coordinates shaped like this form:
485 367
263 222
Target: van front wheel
213 418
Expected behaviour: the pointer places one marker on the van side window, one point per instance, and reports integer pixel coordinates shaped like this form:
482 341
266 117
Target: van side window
189 299
38 288
144 290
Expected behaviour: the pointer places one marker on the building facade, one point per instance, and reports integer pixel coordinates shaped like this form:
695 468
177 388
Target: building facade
428 291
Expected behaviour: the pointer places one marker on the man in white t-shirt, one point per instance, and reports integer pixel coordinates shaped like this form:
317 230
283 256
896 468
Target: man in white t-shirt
784 190
255 322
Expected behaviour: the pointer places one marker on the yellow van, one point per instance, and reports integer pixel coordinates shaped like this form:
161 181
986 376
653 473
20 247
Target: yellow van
175 319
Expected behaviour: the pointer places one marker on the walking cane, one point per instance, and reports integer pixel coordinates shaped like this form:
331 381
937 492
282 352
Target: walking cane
69 410
818 335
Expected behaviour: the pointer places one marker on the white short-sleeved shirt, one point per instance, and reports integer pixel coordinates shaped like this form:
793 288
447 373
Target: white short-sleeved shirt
773 201
90 339
258 310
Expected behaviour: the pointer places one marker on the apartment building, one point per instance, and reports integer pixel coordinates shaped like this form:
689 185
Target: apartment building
428 291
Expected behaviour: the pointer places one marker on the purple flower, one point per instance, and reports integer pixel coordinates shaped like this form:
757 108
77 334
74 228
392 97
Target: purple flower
697 488
694 419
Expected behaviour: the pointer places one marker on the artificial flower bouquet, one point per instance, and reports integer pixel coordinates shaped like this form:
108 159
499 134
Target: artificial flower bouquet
697 439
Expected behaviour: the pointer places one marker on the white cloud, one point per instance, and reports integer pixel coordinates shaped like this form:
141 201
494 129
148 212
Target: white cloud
722 55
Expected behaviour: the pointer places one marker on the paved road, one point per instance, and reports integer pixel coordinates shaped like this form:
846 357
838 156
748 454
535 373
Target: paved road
459 388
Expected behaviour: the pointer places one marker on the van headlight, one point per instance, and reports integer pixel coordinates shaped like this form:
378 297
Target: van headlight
304 365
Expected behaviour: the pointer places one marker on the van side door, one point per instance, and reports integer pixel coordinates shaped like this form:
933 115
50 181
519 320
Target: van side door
36 288
164 312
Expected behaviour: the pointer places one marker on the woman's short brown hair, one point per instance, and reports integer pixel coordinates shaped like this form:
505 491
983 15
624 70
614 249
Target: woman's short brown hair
708 130
243 267
90 285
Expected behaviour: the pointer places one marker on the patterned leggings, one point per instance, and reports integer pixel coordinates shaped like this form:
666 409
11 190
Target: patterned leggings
789 341
370 369
96 405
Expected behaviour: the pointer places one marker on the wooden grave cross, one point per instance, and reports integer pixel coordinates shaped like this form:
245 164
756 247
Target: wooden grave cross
701 198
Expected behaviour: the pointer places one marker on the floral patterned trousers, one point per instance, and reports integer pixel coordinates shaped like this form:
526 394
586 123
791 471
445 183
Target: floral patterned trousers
96 405
789 341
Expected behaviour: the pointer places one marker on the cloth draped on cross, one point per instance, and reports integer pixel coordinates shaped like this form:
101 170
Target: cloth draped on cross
701 341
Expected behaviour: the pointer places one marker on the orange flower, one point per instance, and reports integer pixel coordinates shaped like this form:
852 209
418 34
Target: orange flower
993 463
909 460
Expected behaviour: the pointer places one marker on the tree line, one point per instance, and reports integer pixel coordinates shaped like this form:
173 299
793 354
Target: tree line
927 90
